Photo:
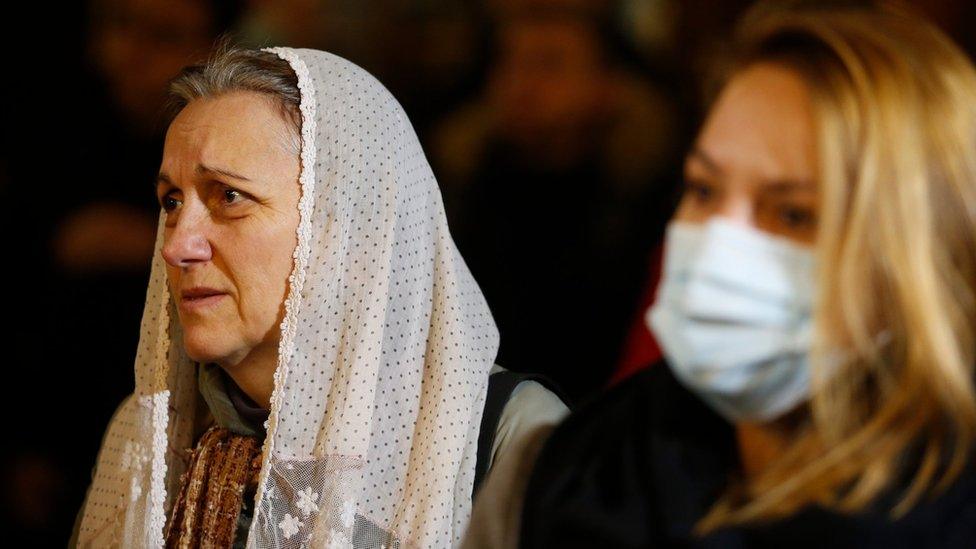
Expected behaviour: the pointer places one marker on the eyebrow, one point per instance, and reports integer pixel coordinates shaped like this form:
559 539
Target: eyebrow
787 186
778 186
163 177
701 156
202 168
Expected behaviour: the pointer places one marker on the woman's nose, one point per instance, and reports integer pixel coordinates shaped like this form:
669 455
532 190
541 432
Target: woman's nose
186 244
738 209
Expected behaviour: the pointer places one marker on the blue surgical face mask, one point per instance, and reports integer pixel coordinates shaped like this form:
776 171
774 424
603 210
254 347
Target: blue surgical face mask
733 317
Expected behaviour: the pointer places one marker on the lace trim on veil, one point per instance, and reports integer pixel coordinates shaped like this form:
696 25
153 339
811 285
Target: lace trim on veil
302 251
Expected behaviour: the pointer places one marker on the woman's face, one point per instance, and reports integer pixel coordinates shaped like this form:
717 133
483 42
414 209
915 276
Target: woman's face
754 161
229 189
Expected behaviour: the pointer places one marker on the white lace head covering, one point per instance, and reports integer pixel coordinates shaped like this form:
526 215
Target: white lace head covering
383 364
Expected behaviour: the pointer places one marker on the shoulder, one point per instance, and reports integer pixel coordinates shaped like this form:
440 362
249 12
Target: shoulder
496 516
646 456
529 406
533 402
649 397
650 400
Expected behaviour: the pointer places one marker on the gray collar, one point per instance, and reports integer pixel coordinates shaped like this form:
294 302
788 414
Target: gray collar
229 406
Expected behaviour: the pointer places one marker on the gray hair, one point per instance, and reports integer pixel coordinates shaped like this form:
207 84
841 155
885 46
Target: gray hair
231 68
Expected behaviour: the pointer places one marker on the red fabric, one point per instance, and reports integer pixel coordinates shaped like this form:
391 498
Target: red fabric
640 348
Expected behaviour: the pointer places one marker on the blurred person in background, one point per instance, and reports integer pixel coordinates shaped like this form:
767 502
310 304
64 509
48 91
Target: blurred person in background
83 149
134 48
553 180
428 55
817 315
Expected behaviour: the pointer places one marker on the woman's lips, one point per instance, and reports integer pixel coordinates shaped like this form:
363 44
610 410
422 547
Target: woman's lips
197 299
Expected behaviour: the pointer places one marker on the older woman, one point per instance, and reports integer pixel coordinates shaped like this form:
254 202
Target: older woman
817 313
310 330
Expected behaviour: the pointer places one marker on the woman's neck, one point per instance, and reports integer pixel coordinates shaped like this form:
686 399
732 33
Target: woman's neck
254 375
760 445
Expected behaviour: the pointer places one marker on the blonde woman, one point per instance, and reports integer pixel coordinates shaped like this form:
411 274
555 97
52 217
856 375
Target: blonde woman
817 314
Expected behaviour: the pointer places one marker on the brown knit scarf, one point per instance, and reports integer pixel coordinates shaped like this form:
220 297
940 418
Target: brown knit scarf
223 467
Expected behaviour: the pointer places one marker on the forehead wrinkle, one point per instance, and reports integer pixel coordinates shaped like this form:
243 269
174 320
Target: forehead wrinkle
203 169
760 127
207 140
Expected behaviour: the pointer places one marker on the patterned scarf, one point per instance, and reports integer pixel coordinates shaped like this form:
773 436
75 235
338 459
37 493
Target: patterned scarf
223 471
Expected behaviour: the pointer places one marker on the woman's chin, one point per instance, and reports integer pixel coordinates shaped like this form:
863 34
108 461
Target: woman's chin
204 350
202 356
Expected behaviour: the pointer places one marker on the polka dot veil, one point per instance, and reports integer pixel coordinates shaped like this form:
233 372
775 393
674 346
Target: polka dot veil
383 364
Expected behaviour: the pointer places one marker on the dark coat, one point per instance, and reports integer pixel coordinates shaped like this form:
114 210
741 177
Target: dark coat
640 466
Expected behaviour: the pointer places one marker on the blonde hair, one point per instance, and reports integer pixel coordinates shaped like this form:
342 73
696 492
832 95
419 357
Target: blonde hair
893 407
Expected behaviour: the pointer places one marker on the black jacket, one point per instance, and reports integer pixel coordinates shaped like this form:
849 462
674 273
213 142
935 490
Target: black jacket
640 466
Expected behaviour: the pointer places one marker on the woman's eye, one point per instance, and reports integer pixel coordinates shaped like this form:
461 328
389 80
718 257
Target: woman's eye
232 195
798 218
169 203
700 192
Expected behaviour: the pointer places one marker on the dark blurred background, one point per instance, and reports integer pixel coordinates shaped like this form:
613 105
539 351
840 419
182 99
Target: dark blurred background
555 129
